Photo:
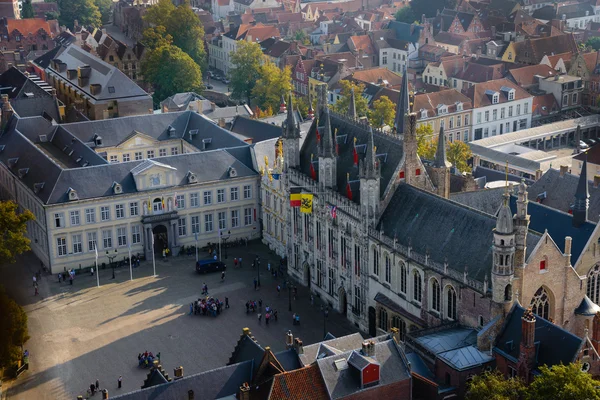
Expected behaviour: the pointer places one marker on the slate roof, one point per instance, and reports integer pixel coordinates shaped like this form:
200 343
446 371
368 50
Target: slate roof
556 345
486 200
343 344
214 384
559 225
180 101
302 384
445 229
465 357
480 98
344 382
389 146
405 31
587 307
115 84
255 129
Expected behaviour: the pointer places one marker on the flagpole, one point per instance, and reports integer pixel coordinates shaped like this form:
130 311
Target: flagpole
97 272
153 257
130 270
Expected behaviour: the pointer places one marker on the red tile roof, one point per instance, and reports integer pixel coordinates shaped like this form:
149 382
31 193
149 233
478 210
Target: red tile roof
526 76
28 26
374 75
477 92
363 43
544 105
301 384
448 97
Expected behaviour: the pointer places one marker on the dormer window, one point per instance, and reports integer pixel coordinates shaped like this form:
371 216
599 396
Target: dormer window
495 98
442 109
117 188
511 95
423 113
232 172
72 193
192 177
459 107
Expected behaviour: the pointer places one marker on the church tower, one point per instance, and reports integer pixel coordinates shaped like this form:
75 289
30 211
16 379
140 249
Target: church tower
369 174
503 250
582 198
440 172
291 138
327 154
521 225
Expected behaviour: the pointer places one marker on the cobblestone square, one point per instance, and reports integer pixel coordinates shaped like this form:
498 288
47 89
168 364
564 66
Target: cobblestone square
81 333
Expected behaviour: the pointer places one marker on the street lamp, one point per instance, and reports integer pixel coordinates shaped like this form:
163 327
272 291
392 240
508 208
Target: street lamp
325 311
110 260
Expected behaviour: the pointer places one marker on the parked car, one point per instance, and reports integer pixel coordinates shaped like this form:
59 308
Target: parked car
210 265
226 81
211 74
209 86
583 145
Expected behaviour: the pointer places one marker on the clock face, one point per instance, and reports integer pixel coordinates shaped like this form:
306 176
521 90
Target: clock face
585 367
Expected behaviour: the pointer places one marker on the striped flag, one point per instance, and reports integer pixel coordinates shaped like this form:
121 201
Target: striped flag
295 197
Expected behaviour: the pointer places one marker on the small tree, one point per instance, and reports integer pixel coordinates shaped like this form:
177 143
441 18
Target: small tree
246 62
495 386
361 104
594 43
426 144
405 14
13 330
563 382
271 85
188 33
106 8
159 13
458 154
13 226
84 11
383 113
169 70
27 10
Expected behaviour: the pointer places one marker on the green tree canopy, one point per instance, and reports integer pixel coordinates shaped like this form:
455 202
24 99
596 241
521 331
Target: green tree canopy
106 8
426 143
13 330
246 61
27 10
271 85
342 104
156 37
171 71
85 12
188 33
594 43
458 154
563 382
13 226
383 112
405 14
159 13
494 386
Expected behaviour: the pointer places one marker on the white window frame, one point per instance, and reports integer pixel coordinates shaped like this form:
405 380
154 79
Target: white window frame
181 227
122 236
119 211
136 235
134 209
107 239
208 223
90 215
75 217
104 213
77 244
61 246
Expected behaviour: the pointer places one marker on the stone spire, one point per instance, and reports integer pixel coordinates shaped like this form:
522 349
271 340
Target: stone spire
440 154
352 105
370 168
403 106
291 126
582 198
327 146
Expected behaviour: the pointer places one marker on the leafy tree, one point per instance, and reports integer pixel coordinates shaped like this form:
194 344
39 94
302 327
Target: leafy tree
405 14
495 386
341 106
563 382
302 37
383 112
105 8
271 85
156 37
426 144
13 330
159 13
246 61
84 11
594 43
187 32
13 226
458 154
429 7
27 10
301 103
52 15
169 70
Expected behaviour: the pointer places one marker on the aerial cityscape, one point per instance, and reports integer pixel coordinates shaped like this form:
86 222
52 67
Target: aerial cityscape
303 200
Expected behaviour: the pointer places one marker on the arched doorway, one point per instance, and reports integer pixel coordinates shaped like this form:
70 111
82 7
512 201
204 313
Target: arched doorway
306 274
343 301
161 238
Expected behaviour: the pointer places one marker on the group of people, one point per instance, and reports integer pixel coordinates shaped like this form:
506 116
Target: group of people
70 274
146 359
208 305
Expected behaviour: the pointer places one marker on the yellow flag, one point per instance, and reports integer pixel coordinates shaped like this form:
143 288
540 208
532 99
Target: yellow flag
306 203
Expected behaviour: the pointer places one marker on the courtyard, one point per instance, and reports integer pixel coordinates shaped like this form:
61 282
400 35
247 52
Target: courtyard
81 333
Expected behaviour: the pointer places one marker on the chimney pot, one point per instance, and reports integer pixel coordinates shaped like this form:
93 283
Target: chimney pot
563 170
298 346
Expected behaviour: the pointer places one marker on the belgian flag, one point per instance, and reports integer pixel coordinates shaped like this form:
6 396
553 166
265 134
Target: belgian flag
295 197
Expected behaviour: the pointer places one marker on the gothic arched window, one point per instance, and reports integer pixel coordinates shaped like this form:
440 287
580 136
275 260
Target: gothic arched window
435 295
388 269
540 303
593 284
399 323
450 303
375 261
508 292
383 319
417 286
403 277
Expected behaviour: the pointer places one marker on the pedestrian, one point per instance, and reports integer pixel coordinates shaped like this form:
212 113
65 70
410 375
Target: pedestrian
92 271
92 389
34 280
158 356
138 261
59 277
278 290
36 290
312 300
275 314
240 262
226 302
120 381
164 254
259 317
267 317
269 267
255 283
223 276
235 262
247 307
259 304
191 308
97 384
70 279
215 257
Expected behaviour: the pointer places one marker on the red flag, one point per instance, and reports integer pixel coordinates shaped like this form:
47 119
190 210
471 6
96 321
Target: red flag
355 153
313 173
318 135
348 191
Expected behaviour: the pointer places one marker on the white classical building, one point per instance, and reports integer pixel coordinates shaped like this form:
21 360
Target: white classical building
499 107
173 179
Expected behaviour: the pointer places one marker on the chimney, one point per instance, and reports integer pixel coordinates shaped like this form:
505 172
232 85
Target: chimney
298 346
527 351
563 170
596 181
596 331
178 372
7 111
368 348
289 340
53 93
221 122
478 53
245 391
231 26
150 111
213 106
568 241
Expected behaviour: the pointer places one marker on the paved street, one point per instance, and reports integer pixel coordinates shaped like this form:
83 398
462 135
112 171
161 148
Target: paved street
81 333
